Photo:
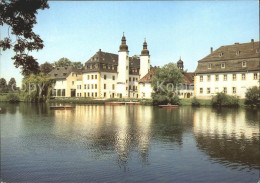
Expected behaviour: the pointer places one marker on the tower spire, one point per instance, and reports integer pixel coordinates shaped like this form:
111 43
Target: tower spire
145 51
123 46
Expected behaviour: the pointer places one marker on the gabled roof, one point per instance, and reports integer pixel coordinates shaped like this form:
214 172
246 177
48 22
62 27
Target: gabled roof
63 72
235 51
232 56
109 59
148 77
188 77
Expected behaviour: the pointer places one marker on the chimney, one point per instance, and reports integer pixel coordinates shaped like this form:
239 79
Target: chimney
99 50
211 50
252 42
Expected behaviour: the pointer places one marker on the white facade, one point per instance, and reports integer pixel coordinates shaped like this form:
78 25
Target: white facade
145 90
233 83
123 75
144 65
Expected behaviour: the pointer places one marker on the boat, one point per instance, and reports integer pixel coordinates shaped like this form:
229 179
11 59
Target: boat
169 106
61 107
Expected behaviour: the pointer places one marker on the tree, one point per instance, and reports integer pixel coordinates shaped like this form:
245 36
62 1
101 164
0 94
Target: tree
252 96
165 84
62 62
77 65
46 67
12 84
20 17
3 85
38 87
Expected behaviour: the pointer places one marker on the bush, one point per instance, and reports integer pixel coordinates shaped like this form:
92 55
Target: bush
252 96
195 102
175 100
146 102
164 100
221 99
12 97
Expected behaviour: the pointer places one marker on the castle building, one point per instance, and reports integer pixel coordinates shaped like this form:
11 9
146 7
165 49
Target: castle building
230 69
108 75
66 81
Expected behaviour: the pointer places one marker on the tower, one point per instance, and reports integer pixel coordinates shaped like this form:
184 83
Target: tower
144 60
122 88
180 64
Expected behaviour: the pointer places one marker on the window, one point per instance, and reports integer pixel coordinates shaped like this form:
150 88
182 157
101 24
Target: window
95 76
79 87
72 82
244 64
237 52
225 89
92 76
201 90
209 66
105 77
255 76
208 77
201 78
234 77
208 90
95 94
88 77
63 92
225 77
92 86
126 88
113 86
113 77
216 77
85 86
129 78
105 94
243 76
129 87
143 94
92 94
223 65
133 79
105 86
220 54
88 86
234 90
95 86
88 94
126 81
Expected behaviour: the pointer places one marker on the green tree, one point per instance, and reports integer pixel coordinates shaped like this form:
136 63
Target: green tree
12 84
3 85
46 67
77 65
165 84
38 87
62 62
252 96
20 17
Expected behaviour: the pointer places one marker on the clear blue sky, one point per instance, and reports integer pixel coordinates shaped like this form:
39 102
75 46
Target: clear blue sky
77 30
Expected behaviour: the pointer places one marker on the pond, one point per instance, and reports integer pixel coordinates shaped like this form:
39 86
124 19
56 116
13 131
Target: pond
93 143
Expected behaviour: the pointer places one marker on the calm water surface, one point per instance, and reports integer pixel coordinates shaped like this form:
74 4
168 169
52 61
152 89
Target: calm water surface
129 144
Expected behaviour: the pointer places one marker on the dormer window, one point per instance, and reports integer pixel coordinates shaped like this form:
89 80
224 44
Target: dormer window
55 75
209 66
64 74
244 64
220 54
58 68
237 52
257 50
223 65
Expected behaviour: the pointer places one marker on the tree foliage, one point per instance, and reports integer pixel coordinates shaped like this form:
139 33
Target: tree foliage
224 100
3 85
252 96
20 17
38 87
165 84
12 84
46 67
63 62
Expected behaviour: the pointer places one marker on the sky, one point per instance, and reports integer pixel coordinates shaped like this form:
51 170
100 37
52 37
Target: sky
77 30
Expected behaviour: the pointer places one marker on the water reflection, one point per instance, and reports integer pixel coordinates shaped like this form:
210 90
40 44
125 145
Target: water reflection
150 141
229 136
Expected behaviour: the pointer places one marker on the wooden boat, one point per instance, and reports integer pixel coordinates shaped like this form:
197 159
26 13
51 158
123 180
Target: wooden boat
61 107
169 106
122 103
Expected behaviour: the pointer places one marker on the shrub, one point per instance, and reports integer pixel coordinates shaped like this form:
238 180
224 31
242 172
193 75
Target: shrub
252 96
175 100
160 100
195 102
221 99
12 97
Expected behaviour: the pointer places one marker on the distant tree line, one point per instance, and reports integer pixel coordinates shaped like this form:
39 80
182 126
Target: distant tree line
7 87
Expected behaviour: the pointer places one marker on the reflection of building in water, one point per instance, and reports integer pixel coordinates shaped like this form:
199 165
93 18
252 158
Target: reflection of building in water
123 129
228 136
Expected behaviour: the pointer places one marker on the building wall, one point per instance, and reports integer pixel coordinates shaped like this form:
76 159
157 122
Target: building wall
123 75
144 65
107 81
218 86
133 86
145 90
61 84
90 84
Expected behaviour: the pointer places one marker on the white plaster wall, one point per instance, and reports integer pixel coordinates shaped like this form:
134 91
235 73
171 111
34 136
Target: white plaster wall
123 74
144 65
109 82
217 86
147 89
